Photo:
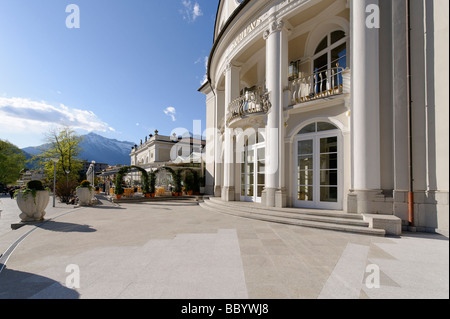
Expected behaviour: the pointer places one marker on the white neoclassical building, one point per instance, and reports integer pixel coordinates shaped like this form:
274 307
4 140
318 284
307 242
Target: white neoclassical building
332 104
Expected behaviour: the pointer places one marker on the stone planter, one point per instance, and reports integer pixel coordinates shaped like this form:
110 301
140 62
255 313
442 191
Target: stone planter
33 207
85 196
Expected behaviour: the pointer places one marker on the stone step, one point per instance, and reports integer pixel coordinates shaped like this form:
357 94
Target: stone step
293 221
291 211
335 219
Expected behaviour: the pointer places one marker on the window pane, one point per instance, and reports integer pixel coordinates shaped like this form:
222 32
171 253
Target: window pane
260 190
329 178
250 190
305 147
322 45
250 180
328 161
311 128
328 145
321 63
336 36
324 126
305 178
243 191
305 193
329 194
338 55
320 77
262 168
261 179
305 163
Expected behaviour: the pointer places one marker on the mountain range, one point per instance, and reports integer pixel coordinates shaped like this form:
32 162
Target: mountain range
95 148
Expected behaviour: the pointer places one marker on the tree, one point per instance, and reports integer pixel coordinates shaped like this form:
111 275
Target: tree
64 145
12 162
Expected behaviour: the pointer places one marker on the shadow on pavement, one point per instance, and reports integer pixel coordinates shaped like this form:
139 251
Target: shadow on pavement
66 227
21 285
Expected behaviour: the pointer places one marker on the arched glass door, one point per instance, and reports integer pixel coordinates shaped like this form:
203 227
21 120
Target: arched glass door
318 167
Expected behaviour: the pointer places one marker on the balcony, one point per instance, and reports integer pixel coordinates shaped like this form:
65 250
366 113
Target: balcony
253 102
319 85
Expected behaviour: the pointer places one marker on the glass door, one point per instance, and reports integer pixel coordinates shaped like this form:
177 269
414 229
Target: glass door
317 172
252 173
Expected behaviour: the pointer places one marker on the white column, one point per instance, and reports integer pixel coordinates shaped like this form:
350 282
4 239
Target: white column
218 147
276 57
232 83
365 106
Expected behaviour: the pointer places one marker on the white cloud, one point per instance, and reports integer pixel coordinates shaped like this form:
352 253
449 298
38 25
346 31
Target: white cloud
171 111
190 11
19 114
205 76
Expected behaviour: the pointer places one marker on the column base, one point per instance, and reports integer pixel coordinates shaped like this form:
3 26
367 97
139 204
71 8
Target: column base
281 198
228 193
217 191
274 197
369 202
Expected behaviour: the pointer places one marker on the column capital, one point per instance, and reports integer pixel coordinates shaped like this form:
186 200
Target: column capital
230 66
275 26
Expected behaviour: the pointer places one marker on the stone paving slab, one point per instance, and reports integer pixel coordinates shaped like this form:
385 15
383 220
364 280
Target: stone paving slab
170 250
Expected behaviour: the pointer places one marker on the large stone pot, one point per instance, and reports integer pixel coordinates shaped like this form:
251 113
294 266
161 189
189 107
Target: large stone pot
33 207
85 196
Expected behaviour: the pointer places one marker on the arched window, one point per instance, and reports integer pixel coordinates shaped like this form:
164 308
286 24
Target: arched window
317 127
329 60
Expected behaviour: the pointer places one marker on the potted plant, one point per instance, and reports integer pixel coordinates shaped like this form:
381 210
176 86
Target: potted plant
85 193
32 201
152 184
177 183
196 183
118 190
189 183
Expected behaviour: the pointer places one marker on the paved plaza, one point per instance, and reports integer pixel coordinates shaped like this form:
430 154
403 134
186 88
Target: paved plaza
178 250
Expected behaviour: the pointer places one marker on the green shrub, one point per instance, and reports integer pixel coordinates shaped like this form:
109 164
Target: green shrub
85 184
35 185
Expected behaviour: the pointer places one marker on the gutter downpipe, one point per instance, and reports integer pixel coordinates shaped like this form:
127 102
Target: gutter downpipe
410 122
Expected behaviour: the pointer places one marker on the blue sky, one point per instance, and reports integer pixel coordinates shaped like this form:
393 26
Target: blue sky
132 67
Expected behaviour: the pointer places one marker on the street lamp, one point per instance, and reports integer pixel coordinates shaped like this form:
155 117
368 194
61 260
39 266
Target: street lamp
55 160
67 177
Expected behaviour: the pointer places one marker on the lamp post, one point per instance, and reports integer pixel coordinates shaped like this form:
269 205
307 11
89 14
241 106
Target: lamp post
67 177
55 160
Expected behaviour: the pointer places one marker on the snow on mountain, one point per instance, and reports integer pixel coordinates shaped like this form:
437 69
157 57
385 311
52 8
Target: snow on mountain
104 150
97 148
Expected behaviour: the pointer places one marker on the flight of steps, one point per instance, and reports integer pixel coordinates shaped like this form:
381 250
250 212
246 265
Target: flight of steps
322 219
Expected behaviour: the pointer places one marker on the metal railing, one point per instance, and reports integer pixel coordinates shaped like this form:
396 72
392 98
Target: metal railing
252 102
321 84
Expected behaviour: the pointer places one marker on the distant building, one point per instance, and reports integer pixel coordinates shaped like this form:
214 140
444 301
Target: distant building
98 167
158 150
30 175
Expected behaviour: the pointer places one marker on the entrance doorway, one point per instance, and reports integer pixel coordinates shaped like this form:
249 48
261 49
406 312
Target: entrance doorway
252 172
317 167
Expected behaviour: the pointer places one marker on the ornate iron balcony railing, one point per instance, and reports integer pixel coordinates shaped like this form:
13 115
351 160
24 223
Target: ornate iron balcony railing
318 85
252 102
